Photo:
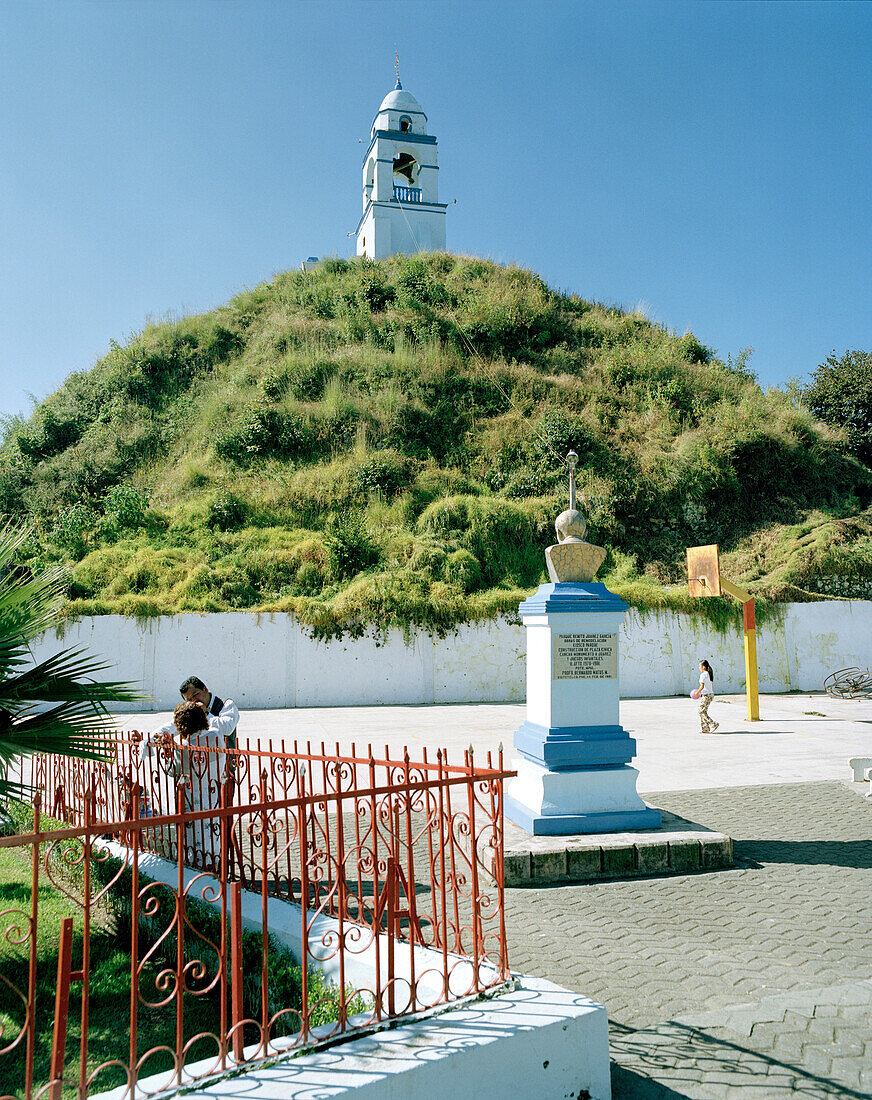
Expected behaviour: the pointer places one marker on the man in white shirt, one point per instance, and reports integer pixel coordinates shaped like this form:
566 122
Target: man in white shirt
223 713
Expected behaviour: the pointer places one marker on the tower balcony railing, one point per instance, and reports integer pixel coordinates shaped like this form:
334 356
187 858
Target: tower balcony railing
407 194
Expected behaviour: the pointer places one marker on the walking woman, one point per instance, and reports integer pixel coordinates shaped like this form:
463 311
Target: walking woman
706 695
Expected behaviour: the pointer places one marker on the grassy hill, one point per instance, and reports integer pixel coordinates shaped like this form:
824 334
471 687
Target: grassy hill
378 444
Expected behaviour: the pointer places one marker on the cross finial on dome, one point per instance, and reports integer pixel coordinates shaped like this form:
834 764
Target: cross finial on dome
397 63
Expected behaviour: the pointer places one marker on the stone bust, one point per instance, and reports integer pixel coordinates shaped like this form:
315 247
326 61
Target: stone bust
572 559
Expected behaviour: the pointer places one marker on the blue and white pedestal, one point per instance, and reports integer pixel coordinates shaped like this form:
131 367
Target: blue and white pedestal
574 773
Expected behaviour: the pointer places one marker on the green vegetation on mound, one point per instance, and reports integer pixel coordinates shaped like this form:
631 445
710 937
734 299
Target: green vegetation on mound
378 444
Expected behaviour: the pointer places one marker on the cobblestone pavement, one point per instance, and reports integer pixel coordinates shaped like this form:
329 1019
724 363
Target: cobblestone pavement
752 982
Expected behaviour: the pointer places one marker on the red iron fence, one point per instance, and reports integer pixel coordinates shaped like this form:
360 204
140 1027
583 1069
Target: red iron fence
393 872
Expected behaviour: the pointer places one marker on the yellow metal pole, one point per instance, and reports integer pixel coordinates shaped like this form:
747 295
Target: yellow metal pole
750 628
751 665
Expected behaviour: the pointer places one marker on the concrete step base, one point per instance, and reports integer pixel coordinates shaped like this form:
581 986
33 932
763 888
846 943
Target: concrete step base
678 847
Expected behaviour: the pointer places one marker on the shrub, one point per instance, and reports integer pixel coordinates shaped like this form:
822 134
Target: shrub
463 569
840 393
382 473
307 378
375 292
349 544
333 265
692 351
226 512
417 279
125 508
504 537
333 431
266 433
273 384
47 434
233 586
13 480
559 432
310 577
72 527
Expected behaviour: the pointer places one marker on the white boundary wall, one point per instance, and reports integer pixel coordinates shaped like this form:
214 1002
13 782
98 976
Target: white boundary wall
270 661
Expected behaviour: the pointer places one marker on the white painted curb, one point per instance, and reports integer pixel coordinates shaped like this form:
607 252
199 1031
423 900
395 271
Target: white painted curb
539 1042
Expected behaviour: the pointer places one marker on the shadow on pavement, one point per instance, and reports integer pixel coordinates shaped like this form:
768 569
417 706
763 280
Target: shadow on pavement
706 1065
627 1085
724 732
830 853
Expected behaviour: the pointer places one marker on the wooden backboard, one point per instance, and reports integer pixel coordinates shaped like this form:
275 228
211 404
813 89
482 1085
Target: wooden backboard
704 570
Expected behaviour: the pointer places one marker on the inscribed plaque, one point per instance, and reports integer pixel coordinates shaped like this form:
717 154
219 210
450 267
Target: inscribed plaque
584 656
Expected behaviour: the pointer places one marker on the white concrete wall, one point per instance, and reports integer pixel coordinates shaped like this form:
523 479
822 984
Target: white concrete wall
660 652
270 661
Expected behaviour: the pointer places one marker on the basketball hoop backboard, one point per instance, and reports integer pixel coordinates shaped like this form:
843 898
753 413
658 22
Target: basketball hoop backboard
703 570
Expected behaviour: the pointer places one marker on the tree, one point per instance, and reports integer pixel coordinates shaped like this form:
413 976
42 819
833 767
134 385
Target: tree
54 706
840 393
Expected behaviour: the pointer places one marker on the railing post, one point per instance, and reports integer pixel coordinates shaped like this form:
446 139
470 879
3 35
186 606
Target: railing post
302 825
391 901
376 911
236 1009
30 1011
264 920
62 1003
499 870
133 843
181 833
84 974
477 944
443 902
341 890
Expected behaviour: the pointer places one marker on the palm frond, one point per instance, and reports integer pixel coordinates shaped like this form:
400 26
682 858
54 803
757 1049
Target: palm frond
9 788
28 608
28 605
76 725
70 729
12 538
66 676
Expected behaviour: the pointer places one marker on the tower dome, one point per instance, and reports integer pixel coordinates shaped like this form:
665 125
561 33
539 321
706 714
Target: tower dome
400 111
400 100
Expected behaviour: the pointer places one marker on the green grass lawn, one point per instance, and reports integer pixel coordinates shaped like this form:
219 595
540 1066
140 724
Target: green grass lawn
109 1001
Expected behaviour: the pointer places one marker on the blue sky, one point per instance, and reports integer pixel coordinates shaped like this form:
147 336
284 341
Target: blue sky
708 160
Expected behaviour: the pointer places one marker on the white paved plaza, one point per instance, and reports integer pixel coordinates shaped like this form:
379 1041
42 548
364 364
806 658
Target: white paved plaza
800 738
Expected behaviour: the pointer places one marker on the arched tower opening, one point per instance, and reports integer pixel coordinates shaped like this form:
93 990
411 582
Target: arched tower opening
405 169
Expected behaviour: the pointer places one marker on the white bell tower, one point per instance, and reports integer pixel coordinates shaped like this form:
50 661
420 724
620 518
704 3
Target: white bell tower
400 209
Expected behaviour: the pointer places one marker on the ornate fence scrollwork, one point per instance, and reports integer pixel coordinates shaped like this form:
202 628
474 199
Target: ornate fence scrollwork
384 859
